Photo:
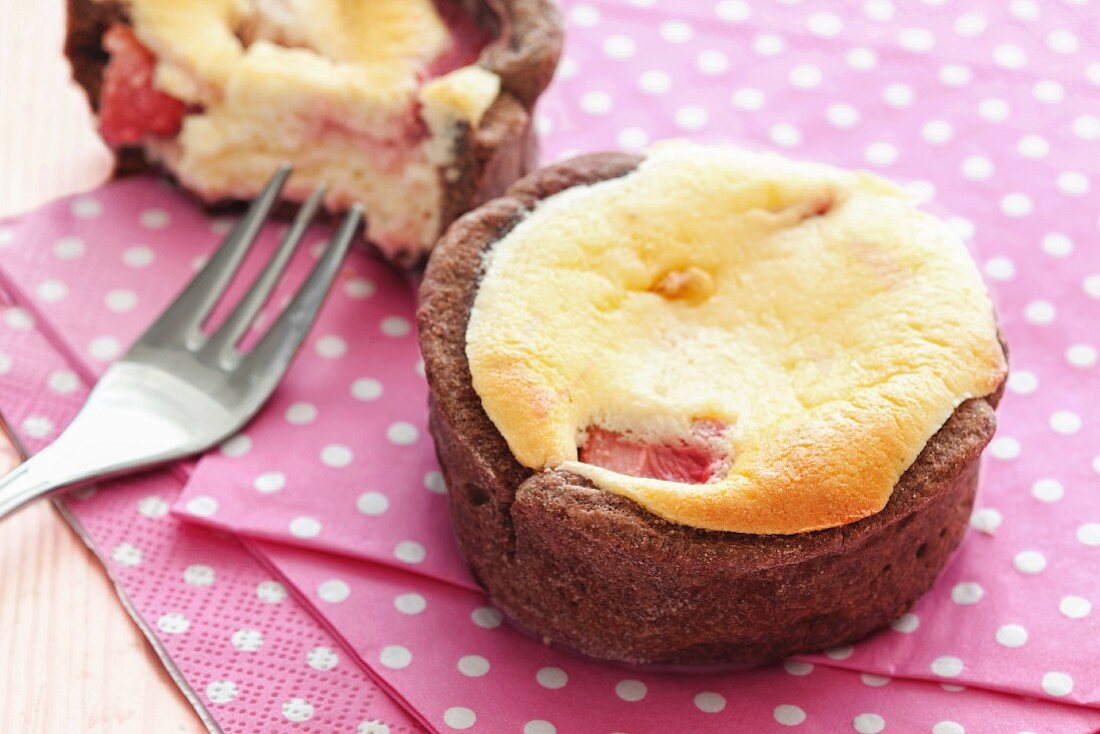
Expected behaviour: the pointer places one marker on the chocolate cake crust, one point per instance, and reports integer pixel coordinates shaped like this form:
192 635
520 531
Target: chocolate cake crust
488 158
598 573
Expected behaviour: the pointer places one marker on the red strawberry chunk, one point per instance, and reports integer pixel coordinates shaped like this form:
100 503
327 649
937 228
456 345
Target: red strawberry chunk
694 462
130 108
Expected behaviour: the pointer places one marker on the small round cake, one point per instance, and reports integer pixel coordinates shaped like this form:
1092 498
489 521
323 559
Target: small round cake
707 405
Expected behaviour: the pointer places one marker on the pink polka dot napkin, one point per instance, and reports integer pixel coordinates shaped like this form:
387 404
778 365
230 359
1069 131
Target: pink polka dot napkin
988 113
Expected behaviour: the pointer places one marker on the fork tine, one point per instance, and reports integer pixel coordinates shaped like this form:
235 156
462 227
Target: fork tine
271 356
221 343
182 319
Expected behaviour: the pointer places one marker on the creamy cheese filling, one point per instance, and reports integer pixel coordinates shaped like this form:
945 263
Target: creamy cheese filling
332 86
816 314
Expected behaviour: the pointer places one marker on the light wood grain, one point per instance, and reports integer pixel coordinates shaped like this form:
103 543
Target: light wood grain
71 662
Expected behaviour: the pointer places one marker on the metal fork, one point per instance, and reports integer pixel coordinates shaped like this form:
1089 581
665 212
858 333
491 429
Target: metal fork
177 391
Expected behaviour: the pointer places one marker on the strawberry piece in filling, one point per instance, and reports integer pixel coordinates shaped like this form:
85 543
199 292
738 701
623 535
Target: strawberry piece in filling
468 38
694 461
130 108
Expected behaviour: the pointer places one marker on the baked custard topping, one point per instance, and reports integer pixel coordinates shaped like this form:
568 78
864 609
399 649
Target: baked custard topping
815 323
336 87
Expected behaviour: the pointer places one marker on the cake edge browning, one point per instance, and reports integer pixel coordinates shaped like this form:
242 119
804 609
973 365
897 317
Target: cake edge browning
598 573
489 157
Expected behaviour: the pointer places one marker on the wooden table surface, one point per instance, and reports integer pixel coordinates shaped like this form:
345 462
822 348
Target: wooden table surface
71 661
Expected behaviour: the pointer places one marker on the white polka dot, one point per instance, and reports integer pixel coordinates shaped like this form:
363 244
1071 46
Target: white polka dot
126 554
840 652
712 62
459 717
632 138
1048 91
395 326
947 666
1075 607
655 82
1033 146
868 723
880 10
1022 382
86 207
395 657
977 167
952 688
805 76
967 593
359 288
789 714
1016 205
993 110
1024 9
584 15
898 96
269 482
1091 286
402 433
874 681
1065 422
298 710
331 347
948 727
539 726
152 507
768 44
51 291
1062 41
138 257
410 603
1004 447
37 426
955 75
409 551
155 219
1057 244
1030 562
271 592
366 389
630 690
937 132
880 154
1073 183
239 445
1047 490
434 483
247 640
486 617
336 456
473 666
1057 684
199 575
301 413
305 527
619 46
104 348
691 117
1089 534
68 248
785 135
372 503
567 69
221 691
861 58
798 667
825 25
918 40
922 191
709 702
748 98
733 11
906 623
842 116
333 591
552 678
120 301
1000 268
1011 635
1009 56
322 658
676 31
597 103
202 506
173 623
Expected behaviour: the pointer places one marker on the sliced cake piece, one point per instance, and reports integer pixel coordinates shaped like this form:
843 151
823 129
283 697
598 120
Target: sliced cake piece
707 405
417 109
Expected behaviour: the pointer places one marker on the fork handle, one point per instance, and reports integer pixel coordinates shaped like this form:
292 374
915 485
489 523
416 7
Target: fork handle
36 477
